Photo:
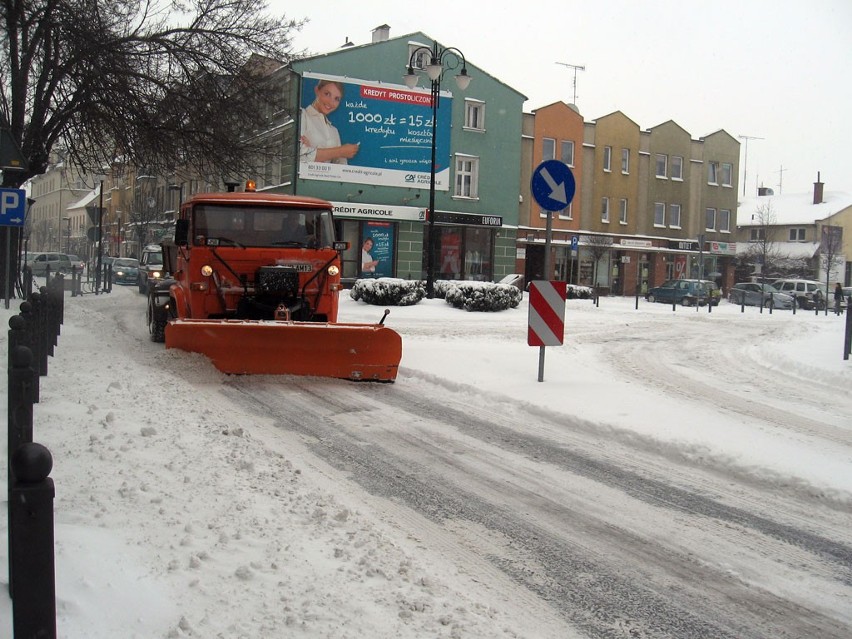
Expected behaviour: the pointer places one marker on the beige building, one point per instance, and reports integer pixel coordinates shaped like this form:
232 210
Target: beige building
802 232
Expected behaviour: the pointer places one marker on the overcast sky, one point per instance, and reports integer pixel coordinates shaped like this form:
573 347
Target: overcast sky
771 69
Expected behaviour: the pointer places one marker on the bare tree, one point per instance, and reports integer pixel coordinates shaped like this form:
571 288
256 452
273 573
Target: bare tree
763 249
831 243
598 246
161 84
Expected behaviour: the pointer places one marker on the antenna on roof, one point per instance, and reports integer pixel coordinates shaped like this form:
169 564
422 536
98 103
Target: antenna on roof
576 68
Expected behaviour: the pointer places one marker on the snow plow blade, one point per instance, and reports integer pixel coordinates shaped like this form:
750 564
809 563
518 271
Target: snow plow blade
360 352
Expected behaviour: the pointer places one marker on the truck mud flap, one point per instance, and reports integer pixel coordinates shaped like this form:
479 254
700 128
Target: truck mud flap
361 352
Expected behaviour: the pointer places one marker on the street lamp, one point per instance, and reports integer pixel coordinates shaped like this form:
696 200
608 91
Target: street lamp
435 70
99 260
179 189
67 221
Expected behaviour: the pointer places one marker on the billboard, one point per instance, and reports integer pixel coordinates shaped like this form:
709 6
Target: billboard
377 250
372 133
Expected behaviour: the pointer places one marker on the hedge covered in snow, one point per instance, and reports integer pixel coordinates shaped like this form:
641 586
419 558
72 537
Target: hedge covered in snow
471 296
388 291
478 296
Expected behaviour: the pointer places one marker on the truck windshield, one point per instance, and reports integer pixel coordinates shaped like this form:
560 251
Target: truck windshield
254 226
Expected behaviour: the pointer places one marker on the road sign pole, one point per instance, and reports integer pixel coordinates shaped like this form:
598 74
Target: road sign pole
8 263
552 186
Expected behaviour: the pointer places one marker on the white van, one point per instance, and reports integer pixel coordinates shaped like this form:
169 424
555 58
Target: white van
41 263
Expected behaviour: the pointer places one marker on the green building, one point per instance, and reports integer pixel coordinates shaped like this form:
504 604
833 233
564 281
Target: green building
379 181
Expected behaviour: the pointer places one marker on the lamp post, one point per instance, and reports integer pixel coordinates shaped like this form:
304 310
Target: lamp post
99 236
179 189
438 57
67 221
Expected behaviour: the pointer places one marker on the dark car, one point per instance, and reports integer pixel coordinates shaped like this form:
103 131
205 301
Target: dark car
125 270
150 268
757 294
683 292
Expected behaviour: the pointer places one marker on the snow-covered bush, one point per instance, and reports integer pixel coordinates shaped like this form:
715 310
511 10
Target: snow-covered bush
469 295
576 292
388 291
480 296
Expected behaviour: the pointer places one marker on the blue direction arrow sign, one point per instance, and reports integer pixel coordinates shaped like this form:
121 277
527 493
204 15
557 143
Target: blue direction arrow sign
553 185
13 207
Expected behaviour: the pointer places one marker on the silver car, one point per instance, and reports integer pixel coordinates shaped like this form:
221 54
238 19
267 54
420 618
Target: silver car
757 294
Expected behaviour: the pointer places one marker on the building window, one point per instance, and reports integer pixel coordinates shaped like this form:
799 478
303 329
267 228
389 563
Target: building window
710 219
567 214
659 214
607 159
712 173
548 149
625 161
568 152
674 216
724 220
421 58
662 165
605 209
727 174
474 115
622 217
467 176
797 235
677 167
756 235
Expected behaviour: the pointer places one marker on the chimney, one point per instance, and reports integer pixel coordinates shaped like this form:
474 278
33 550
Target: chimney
764 190
381 34
818 190
347 43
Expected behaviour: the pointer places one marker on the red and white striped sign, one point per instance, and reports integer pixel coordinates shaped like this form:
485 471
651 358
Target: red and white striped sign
547 313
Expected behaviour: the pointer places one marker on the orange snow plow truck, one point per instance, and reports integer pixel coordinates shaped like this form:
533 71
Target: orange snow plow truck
254 285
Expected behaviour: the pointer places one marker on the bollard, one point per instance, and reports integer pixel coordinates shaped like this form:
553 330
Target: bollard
19 337
19 414
32 564
39 332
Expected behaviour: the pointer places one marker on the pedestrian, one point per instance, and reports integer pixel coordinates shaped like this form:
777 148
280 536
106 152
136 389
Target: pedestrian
838 297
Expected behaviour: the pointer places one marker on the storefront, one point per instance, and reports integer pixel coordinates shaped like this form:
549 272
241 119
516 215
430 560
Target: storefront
372 231
390 241
464 246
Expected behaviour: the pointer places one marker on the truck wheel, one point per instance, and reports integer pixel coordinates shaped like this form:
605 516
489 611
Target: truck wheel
157 320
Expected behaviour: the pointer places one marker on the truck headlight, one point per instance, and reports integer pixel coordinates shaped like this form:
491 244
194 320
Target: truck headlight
333 270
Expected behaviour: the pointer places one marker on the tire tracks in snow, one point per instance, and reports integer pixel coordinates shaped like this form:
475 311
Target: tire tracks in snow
568 520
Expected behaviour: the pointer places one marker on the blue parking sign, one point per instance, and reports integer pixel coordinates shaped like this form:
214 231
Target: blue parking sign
13 207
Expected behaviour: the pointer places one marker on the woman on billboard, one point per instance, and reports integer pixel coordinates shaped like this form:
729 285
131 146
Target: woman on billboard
320 140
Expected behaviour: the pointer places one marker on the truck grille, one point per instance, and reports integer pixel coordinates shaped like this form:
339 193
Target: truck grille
275 280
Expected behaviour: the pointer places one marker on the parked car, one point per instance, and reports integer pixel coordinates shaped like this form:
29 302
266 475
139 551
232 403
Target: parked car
150 268
759 294
125 270
77 263
41 263
809 294
683 292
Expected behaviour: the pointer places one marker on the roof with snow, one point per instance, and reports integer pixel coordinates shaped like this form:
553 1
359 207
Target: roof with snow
792 208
